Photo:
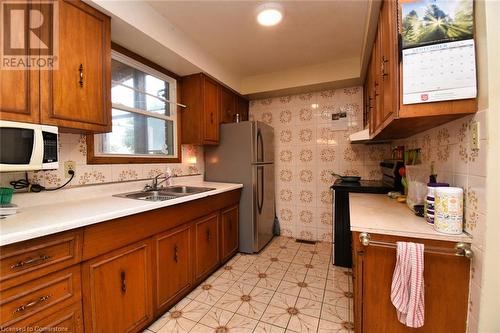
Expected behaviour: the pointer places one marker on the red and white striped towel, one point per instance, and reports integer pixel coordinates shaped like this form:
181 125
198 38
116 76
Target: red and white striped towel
407 290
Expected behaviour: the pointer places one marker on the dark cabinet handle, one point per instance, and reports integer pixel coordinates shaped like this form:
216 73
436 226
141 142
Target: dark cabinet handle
30 261
176 253
383 62
208 235
80 81
211 117
123 282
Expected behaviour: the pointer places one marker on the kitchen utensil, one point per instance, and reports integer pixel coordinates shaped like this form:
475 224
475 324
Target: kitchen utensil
347 179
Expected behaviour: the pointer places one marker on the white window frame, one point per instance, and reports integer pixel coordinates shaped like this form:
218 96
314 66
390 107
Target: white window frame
173 109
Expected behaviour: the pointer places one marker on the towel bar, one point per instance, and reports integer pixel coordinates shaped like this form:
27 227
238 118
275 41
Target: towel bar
461 249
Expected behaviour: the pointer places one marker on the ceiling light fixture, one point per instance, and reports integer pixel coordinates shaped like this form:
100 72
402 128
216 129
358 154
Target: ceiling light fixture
269 14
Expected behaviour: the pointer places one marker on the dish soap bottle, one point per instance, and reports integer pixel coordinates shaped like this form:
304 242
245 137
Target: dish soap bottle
168 177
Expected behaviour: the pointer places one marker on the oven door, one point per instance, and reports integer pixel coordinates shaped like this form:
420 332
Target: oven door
21 146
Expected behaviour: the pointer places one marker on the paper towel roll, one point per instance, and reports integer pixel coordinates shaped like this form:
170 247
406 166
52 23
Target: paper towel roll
449 210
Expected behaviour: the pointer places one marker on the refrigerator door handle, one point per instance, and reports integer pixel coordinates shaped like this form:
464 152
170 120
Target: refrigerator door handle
260 146
260 188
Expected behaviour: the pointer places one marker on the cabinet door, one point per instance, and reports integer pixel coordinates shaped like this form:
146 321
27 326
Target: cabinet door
242 108
77 95
19 95
446 278
210 111
117 290
389 58
229 232
172 266
207 245
19 89
227 105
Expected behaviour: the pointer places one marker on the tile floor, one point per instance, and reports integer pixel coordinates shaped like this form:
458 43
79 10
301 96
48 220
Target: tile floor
288 287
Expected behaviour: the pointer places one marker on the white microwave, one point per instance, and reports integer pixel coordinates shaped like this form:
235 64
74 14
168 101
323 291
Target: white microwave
26 146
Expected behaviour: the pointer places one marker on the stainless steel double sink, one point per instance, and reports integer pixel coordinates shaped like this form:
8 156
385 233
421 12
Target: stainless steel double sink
165 193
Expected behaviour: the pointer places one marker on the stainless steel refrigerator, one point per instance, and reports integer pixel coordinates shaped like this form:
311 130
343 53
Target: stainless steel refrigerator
245 154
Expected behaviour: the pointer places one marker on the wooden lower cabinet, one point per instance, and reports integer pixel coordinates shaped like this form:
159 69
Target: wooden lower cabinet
117 290
207 245
229 232
446 279
71 282
172 265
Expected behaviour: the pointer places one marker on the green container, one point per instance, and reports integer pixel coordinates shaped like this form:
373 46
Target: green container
5 195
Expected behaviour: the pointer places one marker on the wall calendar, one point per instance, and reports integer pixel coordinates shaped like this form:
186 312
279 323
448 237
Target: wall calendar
438 55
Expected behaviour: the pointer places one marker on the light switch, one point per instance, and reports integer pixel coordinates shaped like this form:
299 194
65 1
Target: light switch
474 135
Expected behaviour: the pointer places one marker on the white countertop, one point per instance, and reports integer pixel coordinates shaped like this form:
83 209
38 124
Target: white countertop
379 214
42 214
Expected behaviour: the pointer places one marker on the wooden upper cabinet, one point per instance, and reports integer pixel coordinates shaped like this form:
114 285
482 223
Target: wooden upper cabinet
446 278
242 108
207 245
117 290
390 118
78 94
200 119
228 105
19 89
232 104
173 262
211 111
19 96
208 105
388 59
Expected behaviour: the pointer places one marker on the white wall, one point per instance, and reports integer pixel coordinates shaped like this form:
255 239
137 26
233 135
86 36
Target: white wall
489 319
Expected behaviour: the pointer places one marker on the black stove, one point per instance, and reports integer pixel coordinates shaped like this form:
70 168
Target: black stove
342 226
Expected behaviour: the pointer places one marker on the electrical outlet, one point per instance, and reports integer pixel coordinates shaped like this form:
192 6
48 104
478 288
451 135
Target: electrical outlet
474 135
69 165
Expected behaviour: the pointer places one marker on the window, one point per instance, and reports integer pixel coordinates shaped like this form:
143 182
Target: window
144 115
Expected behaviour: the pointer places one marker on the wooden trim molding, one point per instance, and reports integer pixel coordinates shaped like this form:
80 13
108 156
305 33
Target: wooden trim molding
93 159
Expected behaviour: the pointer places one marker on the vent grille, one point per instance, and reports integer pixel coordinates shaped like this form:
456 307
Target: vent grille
305 241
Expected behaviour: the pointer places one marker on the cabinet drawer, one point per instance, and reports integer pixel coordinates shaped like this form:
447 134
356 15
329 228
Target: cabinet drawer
28 260
49 294
67 320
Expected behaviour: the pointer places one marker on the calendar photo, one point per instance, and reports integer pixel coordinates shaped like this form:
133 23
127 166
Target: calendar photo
428 22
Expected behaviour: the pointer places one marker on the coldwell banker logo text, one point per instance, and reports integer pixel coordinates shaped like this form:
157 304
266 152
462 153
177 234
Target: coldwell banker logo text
29 35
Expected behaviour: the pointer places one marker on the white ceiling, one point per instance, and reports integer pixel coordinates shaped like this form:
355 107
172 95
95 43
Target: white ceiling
312 32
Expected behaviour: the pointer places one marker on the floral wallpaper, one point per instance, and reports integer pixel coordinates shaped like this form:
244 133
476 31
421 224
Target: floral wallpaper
309 147
73 147
456 163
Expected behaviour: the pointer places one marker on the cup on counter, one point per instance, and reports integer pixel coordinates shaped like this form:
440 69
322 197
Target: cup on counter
449 210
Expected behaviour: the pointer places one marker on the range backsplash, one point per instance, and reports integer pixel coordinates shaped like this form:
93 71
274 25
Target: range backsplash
73 147
309 146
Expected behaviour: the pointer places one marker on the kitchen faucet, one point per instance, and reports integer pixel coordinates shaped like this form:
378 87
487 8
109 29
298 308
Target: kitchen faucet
155 183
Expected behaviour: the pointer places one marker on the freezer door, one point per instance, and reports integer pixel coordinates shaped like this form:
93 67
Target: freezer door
263 204
263 143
